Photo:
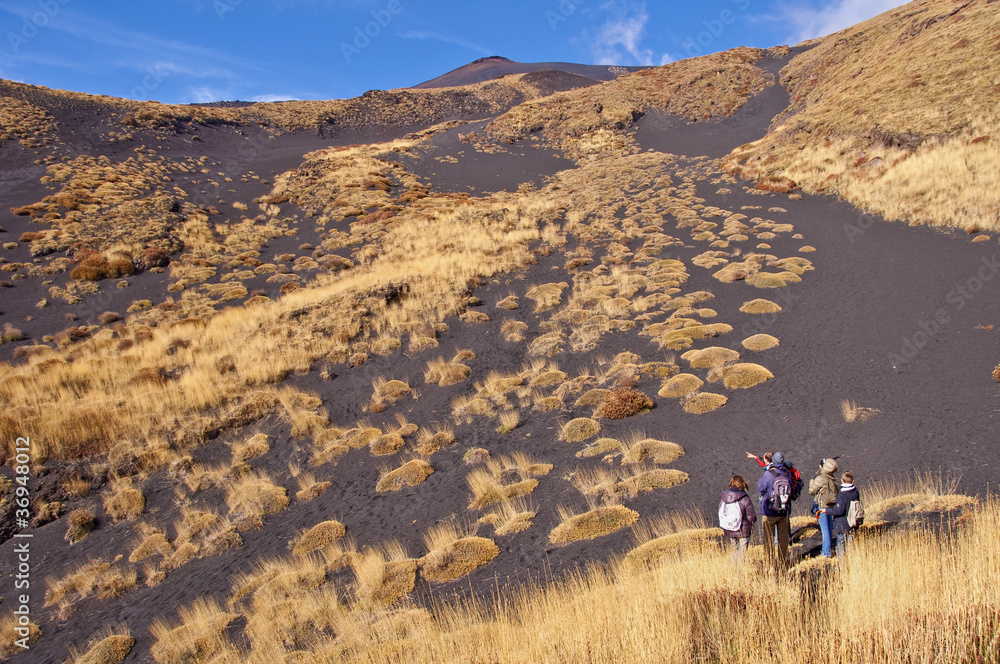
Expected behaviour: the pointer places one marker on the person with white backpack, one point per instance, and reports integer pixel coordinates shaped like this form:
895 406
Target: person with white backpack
848 513
737 516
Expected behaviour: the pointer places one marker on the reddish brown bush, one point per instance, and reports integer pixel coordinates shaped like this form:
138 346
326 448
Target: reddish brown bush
776 183
623 402
153 257
30 236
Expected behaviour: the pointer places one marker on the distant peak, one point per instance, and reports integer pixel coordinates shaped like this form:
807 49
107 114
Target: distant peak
492 58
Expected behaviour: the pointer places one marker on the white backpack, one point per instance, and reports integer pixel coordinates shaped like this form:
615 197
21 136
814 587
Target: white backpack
730 516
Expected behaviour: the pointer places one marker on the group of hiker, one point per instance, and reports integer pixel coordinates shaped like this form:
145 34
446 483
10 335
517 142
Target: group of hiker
836 507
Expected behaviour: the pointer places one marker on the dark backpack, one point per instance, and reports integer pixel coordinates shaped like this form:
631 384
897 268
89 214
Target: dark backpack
796 482
780 494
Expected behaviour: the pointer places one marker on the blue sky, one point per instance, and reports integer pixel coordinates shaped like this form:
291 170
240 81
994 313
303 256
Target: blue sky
182 51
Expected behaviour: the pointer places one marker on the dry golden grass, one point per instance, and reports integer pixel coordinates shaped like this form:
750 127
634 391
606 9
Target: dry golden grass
637 447
741 376
713 356
9 635
411 473
510 516
94 577
198 635
896 152
319 536
309 487
452 554
760 306
852 412
445 373
383 575
251 448
389 390
648 480
488 487
546 296
600 447
703 402
597 522
430 441
253 496
106 648
123 501
579 429
592 397
760 342
680 385
79 523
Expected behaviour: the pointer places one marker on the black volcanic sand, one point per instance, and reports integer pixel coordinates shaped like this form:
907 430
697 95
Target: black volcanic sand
477 172
717 137
873 289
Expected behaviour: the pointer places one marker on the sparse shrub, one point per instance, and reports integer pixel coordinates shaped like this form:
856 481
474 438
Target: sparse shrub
198 637
996 373
109 650
319 536
455 559
410 473
79 524
309 488
251 448
123 501
108 317
12 334
593 397
623 402
389 390
429 442
513 330
387 443
744 375
445 373
252 497
638 448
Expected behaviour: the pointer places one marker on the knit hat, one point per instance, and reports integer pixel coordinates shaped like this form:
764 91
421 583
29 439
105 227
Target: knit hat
778 459
829 466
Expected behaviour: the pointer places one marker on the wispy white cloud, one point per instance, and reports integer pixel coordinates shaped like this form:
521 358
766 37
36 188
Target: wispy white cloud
204 94
448 39
266 98
619 40
809 22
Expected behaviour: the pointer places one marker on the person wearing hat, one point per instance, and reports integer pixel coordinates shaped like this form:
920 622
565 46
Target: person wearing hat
824 489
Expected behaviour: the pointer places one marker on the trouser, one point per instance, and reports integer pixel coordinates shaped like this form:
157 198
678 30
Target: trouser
843 539
826 528
777 526
739 548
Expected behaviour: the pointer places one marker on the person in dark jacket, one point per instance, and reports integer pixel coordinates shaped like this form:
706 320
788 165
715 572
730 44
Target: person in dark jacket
776 525
841 529
737 494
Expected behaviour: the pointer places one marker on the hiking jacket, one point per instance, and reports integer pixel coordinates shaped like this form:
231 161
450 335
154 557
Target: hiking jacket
764 488
746 507
823 486
848 492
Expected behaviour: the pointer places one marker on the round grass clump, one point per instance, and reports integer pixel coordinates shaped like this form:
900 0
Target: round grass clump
681 385
458 558
693 540
319 536
747 374
713 356
807 249
580 429
659 478
410 473
760 306
704 402
548 378
110 650
759 342
391 391
387 443
595 523
660 451
767 280
599 447
592 397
